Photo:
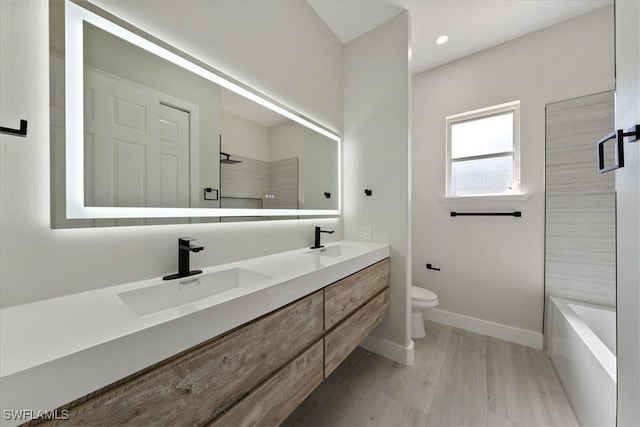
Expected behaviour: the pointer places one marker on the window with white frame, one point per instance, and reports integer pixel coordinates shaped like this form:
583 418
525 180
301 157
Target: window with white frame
483 151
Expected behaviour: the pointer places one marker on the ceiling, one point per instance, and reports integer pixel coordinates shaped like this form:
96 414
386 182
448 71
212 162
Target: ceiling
472 25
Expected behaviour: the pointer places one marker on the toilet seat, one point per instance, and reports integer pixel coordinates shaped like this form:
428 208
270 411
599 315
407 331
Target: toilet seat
422 295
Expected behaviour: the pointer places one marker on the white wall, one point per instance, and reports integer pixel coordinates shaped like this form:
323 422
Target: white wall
243 137
285 141
320 160
493 267
277 47
376 157
628 214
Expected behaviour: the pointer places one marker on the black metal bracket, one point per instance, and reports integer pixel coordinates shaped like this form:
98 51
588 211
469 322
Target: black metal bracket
368 192
514 214
211 190
619 135
430 267
18 132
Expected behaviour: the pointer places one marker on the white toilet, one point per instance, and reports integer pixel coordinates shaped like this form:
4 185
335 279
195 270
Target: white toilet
421 300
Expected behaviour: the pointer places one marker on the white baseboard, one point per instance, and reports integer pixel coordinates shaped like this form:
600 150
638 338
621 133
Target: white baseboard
390 350
484 327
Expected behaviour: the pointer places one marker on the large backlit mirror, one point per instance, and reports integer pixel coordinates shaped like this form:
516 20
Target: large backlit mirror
144 134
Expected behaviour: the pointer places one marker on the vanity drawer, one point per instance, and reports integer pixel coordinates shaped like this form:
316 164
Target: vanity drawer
273 401
345 296
345 337
198 385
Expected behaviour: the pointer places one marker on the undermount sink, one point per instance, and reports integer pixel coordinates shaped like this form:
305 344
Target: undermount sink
182 291
330 251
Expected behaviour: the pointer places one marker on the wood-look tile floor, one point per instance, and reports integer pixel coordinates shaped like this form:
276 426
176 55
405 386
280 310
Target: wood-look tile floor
459 378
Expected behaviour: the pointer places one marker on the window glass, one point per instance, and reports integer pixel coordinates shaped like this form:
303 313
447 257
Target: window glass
493 175
485 135
483 151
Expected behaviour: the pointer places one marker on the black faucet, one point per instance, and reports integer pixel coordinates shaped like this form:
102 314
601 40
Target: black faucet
184 248
317 244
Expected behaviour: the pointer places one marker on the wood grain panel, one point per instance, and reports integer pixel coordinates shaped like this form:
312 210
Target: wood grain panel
345 296
194 388
572 129
581 247
272 402
580 232
346 336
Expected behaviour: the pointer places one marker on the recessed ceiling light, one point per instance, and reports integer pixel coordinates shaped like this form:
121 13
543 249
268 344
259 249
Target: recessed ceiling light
442 39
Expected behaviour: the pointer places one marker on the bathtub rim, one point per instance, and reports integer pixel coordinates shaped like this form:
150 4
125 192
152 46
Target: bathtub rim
600 351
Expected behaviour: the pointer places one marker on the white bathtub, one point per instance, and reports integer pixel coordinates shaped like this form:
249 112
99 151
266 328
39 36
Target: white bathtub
581 341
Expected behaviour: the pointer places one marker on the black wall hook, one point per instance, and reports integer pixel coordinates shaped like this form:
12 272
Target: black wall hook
18 132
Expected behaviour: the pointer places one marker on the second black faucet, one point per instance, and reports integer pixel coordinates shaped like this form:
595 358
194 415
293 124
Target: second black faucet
316 244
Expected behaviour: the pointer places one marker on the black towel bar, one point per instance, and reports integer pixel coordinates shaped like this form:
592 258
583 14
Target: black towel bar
18 132
514 213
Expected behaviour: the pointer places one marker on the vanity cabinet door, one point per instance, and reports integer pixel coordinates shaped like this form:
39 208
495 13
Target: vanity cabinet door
273 401
347 295
197 386
345 337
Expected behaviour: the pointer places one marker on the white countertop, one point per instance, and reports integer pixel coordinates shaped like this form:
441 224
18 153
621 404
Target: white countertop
57 350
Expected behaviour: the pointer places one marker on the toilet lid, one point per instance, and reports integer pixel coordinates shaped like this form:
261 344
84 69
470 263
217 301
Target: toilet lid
421 294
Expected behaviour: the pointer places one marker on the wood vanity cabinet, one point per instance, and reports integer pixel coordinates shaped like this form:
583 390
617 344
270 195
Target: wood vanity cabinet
354 314
256 374
198 385
342 340
273 401
345 296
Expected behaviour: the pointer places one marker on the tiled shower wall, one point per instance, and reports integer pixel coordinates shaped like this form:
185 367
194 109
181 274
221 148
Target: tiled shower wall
580 232
246 184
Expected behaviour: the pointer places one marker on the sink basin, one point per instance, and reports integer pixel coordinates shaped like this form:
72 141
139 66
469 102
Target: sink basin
330 251
178 292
